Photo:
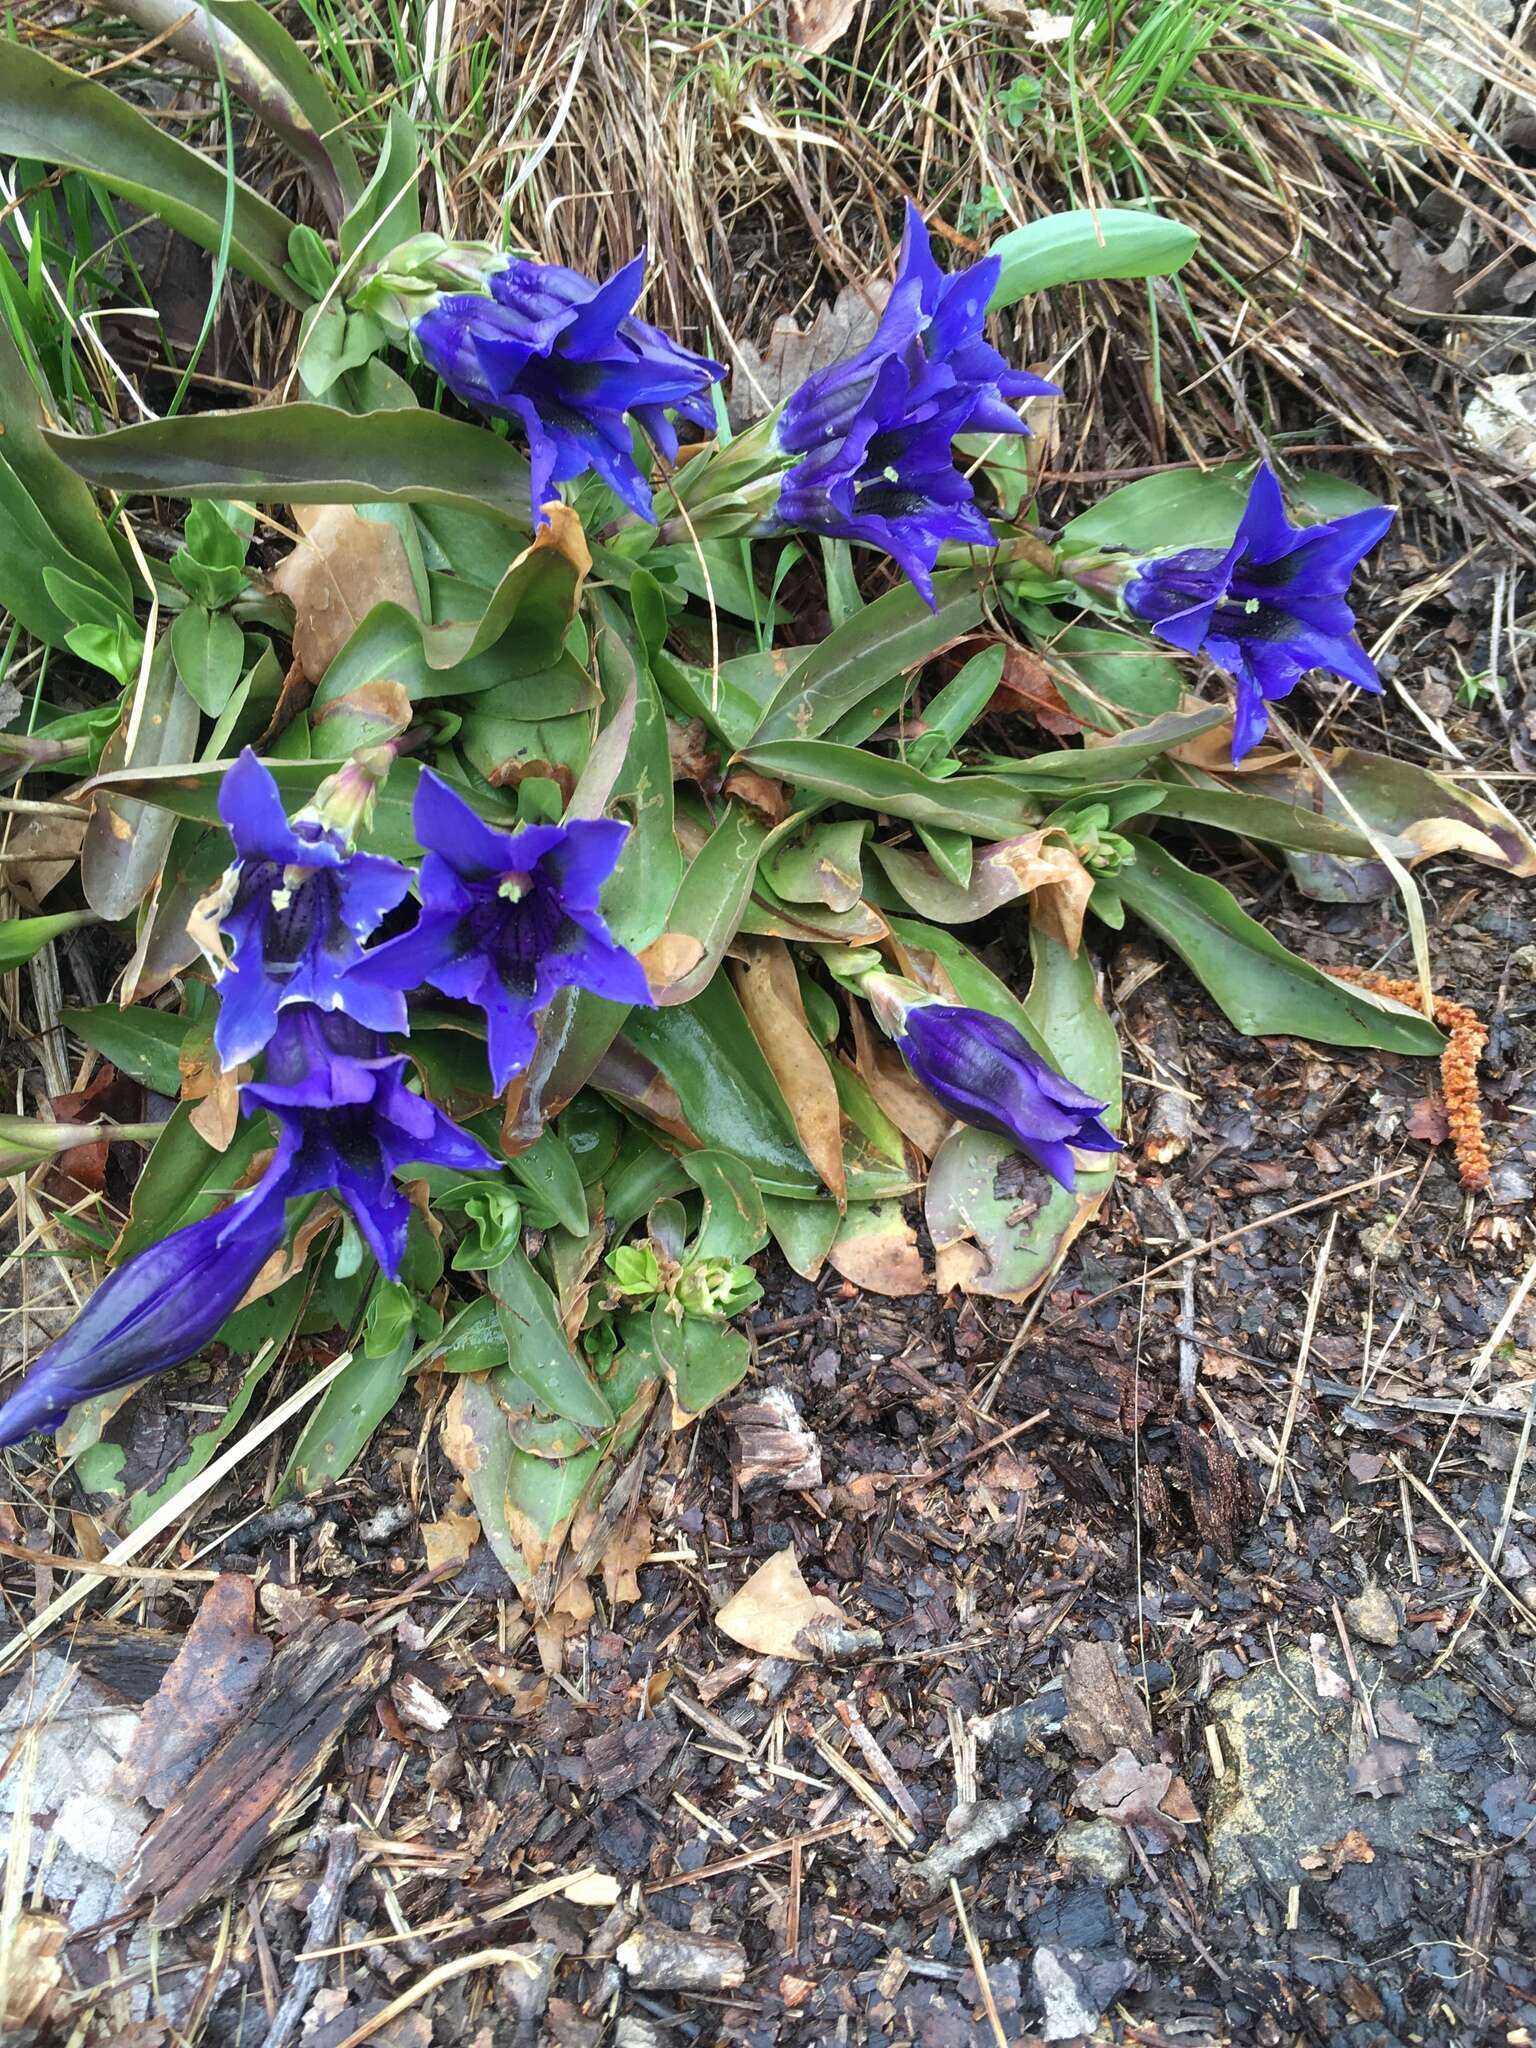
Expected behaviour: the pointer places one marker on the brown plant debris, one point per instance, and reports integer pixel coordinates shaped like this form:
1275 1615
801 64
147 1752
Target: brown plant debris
1458 1065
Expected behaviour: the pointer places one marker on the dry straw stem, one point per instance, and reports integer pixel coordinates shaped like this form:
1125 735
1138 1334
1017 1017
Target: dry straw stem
1458 1065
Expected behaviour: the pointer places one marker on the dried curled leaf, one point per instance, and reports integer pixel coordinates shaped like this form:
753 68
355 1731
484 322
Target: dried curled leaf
343 567
777 1614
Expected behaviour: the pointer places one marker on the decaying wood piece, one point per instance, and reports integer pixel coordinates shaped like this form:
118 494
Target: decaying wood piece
1084 1392
1222 1496
771 1445
262 1770
661 1958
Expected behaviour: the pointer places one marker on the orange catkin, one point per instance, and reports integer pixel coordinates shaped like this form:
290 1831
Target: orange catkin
1458 1065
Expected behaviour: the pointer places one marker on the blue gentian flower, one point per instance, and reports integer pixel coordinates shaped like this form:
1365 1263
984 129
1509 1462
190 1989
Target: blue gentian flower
875 432
156 1311
293 910
984 1071
1267 609
347 1122
508 919
567 358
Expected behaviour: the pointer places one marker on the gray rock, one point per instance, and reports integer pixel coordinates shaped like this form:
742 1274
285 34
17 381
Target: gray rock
1287 1795
1094 1848
1373 1616
1424 52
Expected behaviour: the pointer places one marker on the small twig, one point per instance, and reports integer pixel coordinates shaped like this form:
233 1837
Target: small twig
319 1927
460 1966
1363 1698
979 1965
1314 1300
750 1856
1523 1614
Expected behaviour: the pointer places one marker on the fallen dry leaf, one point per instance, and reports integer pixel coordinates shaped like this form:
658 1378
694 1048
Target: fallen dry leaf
1328 1680
628 1548
1427 1121
793 354
1144 1796
341 569
1047 869
777 1614
669 959
222 1661
39 853
1351 1847
770 799
921 1120
769 990
1388 1762
816 24
449 1540
877 1250
1027 685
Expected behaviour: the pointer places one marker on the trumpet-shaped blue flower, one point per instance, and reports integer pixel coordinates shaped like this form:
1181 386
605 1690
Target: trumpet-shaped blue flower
293 910
875 432
567 358
1267 609
347 1122
984 1071
508 919
156 1311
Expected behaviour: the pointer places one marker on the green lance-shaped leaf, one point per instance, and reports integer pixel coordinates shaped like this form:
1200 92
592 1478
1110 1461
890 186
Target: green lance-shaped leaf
48 517
889 638
1084 246
127 839
709 906
21 938
987 805
53 116
349 1411
734 1226
1261 986
309 454
1184 508
536 1345
141 1042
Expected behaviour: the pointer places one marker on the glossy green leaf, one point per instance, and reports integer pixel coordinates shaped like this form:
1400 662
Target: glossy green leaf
998 1223
54 116
388 211
803 1232
209 651
472 1340
141 1042
1064 1007
638 898
703 1359
1081 247
712 898
547 1170
1184 508
732 700
308 454
974 984
734 1226
49 515
889 638
730 1099
1262 987
1118 760
536 1345
1244 811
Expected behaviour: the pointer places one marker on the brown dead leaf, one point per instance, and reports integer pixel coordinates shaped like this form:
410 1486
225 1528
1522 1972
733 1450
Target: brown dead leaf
777 1614
1427 1121
220 1665
383 708
1392 1757
39 853
289 1259
670 959
449 1540
1105 1708
793 354
341 569
628 1548
769 991
1351 1847
817 24
876 1248
1047 869
1144 1796
1027 685
920 1120
770 799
